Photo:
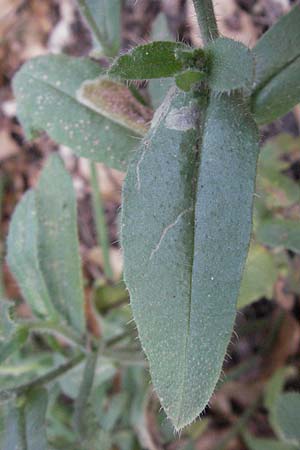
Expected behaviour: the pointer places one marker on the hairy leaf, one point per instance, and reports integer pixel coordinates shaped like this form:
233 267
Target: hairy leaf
231 65
58 242
259 276
46 92
12 336
154 60
184 219
22 257
277 48
278 232
185 80
279 95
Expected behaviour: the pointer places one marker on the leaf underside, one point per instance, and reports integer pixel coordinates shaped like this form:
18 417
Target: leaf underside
184 250
46 92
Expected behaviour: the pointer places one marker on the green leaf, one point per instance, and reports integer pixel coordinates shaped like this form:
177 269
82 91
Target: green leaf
259 276
183 220
104 20
279 232
35 415
279 95
58 242
22 257
265 444
288 412
231 65
277 56
158 88
25 427
154 60
12 337
47 99
277 48
185 80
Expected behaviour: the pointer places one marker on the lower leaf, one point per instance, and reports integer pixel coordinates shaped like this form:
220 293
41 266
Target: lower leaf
186 226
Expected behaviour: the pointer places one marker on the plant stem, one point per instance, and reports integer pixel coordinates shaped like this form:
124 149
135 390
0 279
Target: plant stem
206 20
99 216
84 393
44 379
54 328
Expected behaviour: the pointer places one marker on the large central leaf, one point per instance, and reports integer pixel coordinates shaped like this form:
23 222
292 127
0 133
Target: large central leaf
186 226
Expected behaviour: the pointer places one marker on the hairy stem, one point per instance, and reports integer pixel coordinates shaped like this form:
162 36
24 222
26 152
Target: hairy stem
206 20
44 379
99 217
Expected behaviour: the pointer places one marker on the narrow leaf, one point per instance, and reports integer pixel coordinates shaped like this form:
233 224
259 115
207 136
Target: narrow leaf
46 92
279 95
14 437
154 60
58 242
184 219
283 233
277 48
231 65
22 257
103 18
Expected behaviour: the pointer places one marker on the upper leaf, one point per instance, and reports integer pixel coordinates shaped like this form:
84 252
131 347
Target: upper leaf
154 60
279 95
46 92
277 57
22 257
278 47
230 65
58 242
184 219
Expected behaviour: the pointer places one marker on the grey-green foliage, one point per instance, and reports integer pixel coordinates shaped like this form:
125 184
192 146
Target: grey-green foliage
47 93
277 56
25 422
58 242
104 19
230 66
12 337
183 300
43 249
22 257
